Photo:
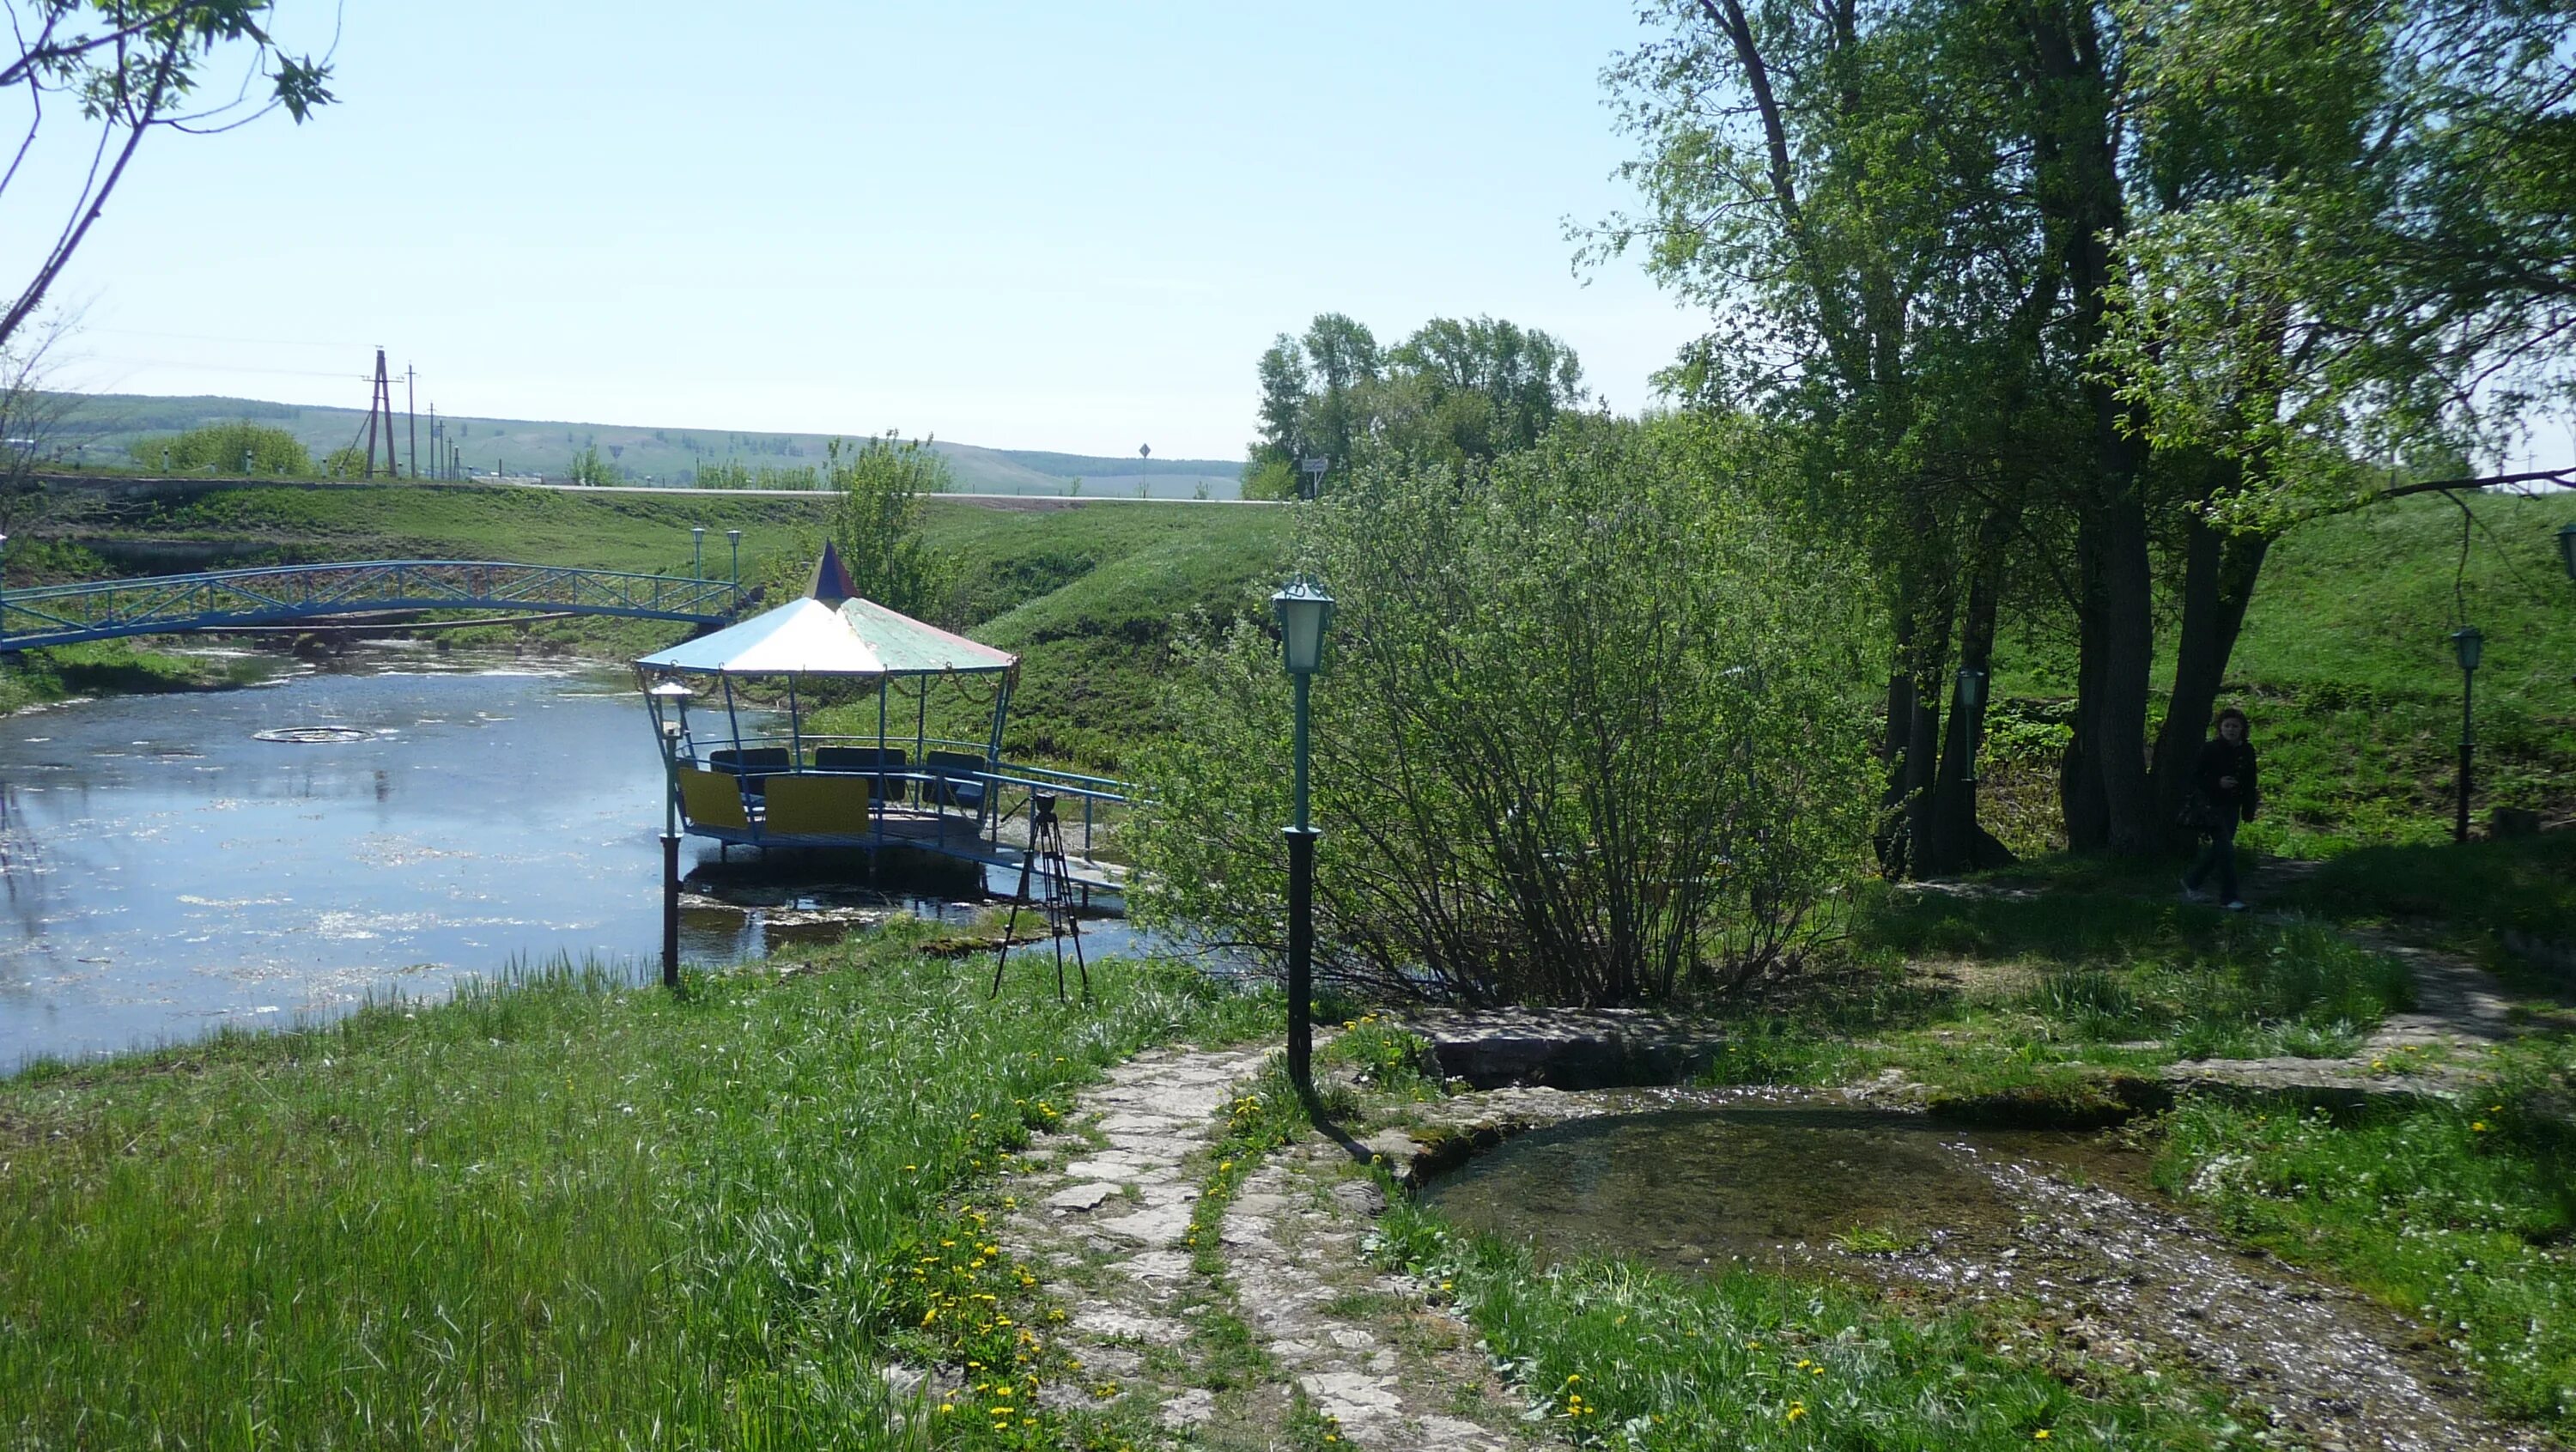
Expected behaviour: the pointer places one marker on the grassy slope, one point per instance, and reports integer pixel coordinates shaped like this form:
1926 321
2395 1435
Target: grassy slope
2345 667
2344 661
624 1217
107 423
1091 598
1088 594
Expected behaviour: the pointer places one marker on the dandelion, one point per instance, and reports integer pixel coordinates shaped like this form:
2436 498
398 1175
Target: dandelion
1796 1410
2040 1436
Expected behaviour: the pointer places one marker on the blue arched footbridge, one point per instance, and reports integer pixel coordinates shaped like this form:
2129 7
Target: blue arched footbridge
229 599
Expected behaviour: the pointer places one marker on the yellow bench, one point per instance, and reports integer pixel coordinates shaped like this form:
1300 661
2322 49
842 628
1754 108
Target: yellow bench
713 799
818 806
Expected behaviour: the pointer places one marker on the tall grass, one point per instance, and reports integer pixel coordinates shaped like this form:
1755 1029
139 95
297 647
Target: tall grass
1614 1354
2113 966
562 1213
2461 1215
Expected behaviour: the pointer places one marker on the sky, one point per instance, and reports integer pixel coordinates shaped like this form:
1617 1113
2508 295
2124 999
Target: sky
1065 227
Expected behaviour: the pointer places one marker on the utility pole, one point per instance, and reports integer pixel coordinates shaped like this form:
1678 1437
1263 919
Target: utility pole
380 411
411 406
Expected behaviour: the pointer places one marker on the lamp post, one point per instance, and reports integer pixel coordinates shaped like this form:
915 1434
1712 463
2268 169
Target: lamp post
697 551
734 538
2567 548
1304 610
672 697
2469 645
1971 689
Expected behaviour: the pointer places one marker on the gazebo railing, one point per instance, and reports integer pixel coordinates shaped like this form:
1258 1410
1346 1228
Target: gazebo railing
998 781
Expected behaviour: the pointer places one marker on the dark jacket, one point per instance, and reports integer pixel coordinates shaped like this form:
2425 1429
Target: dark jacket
2218 759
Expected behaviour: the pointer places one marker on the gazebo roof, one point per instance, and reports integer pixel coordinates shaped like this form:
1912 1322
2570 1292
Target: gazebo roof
844 636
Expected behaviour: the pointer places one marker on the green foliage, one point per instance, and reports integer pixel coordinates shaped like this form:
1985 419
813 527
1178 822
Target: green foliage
2114 967
2482 892
2388 269
623 1216
1614 1354
877 520
589 466
1587 734
1454 392
1385 1057
2459 1215
223 449
735 474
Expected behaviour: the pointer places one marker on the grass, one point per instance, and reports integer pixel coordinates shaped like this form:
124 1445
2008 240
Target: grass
1093 598
2460 1216
120 667
1610 1353
561 1209
2483 896
2345 667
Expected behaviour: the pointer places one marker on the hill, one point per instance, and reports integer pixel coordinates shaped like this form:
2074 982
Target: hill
104 429
2344 663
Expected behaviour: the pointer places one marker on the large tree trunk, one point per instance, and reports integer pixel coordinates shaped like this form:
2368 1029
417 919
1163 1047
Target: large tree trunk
2127 601
2079 784
1952 840
2219 572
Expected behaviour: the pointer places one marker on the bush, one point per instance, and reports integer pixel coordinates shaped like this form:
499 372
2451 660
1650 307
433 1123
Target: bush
1593 733
223 448
877 522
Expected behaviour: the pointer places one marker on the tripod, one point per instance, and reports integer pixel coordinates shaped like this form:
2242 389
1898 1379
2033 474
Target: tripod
1046 854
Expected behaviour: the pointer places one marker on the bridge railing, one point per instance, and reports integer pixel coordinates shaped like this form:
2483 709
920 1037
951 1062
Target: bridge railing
212 600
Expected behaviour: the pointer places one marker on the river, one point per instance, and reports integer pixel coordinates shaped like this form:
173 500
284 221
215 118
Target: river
166 870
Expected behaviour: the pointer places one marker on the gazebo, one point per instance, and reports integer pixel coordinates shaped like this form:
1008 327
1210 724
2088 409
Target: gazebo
771 787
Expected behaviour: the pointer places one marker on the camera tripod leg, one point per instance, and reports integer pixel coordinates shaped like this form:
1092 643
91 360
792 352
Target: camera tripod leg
1002 959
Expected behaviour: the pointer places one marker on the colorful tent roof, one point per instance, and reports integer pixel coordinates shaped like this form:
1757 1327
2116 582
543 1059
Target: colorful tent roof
844 637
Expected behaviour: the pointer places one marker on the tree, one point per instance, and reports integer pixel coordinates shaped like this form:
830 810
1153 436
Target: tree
131 67
1851 208
1587 733
2060 293
877 520
1454 392
589 468
2399 282
31 416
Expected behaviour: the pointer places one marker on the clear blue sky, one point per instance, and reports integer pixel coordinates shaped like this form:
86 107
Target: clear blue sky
1059 226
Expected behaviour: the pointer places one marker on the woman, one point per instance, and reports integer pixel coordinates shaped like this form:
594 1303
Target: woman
2224 780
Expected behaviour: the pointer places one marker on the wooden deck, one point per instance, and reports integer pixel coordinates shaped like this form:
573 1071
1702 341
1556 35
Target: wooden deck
945 834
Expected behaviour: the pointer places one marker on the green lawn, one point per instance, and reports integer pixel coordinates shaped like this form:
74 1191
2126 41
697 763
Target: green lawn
2345 667
566 1210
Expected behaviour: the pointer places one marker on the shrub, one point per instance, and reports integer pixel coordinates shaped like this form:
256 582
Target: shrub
222 448
1592 733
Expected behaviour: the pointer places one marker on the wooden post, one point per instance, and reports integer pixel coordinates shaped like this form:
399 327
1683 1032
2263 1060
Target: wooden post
671 910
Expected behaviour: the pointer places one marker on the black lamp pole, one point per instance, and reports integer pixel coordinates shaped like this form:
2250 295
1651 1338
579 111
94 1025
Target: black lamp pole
1304 609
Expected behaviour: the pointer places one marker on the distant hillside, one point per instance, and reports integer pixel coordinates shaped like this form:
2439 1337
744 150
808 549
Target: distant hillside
99 428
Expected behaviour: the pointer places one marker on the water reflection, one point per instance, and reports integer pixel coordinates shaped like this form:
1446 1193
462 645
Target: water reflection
163 870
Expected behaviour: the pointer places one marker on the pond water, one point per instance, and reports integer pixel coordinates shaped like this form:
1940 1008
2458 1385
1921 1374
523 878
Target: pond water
2061 1224
1762 1185
164 869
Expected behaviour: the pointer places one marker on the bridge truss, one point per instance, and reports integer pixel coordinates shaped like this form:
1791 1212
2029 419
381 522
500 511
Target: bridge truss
223 599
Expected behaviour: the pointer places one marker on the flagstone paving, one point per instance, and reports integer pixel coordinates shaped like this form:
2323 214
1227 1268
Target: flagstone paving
1295 1323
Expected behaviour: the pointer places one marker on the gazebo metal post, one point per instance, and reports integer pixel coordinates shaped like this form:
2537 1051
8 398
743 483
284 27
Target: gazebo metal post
881 751
795 726
992 810
671 732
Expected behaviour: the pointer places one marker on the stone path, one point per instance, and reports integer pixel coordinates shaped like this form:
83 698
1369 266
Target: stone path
1296 1323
